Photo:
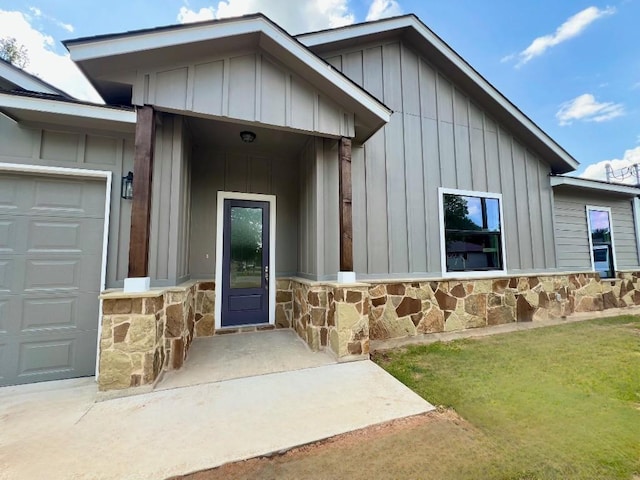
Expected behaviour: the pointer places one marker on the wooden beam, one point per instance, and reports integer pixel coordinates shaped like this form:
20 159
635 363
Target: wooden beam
346 217
141 207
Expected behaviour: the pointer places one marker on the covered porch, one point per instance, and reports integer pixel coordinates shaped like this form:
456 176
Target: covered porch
241 207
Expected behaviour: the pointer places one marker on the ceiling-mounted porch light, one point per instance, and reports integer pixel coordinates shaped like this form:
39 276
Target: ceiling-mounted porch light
126 187
247 136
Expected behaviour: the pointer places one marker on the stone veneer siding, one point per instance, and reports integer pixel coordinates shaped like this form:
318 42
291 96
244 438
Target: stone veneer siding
411 308
325 315
146 333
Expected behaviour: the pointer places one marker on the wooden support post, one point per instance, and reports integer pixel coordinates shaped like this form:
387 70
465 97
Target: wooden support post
141 207
346 220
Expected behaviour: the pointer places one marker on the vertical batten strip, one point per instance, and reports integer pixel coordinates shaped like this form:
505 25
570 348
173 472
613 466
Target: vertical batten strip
288 102
257 111
225 86
191 79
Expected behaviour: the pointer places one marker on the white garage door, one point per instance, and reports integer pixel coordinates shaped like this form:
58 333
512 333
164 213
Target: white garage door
50 257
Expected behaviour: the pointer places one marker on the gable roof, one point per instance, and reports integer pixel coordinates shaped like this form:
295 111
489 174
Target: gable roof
21 80
98 56
416 33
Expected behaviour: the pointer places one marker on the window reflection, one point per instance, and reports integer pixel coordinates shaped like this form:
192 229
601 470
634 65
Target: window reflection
601 242
246 247
472 233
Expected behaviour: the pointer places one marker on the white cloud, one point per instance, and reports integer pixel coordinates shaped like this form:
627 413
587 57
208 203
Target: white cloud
585 107
44 62
383 9
38 13
630 157
189 16
308 15
573 27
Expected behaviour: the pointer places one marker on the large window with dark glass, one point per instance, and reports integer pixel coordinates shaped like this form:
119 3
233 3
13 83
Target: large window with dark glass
472 232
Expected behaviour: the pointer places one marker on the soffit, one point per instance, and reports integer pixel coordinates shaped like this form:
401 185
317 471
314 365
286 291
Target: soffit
596 187
49 109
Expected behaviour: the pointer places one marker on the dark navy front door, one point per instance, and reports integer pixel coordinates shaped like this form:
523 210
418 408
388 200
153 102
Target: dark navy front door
245 263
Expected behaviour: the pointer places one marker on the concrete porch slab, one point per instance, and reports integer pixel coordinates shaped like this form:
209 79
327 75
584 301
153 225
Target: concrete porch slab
58 431
225 357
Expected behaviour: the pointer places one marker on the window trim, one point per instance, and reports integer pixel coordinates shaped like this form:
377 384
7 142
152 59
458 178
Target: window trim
596 208
442 191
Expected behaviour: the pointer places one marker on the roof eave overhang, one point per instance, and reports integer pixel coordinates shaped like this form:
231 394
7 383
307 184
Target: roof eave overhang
33 110
370 113
445 58
26 81
594 186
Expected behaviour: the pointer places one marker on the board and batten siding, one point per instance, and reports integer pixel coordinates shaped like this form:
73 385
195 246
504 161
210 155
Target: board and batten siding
437 137
319 246
251 87
59 146
248 172
170 203
572 235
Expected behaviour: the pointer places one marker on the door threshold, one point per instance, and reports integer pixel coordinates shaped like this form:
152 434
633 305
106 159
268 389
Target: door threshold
258 327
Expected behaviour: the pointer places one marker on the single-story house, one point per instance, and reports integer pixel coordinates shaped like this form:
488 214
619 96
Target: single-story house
352 184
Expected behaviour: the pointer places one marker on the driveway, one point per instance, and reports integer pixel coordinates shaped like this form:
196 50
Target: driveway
57 430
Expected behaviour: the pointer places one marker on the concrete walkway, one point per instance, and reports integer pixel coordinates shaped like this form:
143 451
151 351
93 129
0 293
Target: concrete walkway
56 430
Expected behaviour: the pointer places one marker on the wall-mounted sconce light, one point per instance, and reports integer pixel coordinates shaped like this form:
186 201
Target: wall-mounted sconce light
126 188
247 136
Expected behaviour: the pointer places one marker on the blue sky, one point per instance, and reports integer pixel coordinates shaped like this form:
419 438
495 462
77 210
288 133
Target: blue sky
572 66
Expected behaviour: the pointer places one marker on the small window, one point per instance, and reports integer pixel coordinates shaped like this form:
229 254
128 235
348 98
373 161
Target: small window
472 232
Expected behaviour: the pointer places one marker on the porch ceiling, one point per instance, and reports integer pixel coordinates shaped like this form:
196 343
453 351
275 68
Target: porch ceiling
226 135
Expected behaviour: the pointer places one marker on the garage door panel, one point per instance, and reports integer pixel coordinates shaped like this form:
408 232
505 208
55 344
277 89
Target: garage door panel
64 236
79 274
59 274
7 362
8 235
54 235
62 274
48 357
10 311
31 313
8 194
68 198
49 313
51 236
7 274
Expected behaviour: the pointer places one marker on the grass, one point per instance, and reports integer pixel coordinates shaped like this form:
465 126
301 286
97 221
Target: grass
553 403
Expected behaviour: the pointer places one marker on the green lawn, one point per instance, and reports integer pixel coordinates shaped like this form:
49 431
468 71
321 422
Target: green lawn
554 403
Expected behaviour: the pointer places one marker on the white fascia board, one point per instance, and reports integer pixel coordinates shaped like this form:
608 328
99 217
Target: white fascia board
92 49
409 21
150 40
25 81
593 185
58 107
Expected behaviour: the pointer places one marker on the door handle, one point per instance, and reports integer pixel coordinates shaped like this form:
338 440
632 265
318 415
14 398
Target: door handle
266 275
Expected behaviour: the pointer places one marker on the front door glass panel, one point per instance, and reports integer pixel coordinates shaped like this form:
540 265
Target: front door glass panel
246 248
